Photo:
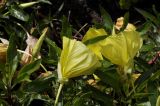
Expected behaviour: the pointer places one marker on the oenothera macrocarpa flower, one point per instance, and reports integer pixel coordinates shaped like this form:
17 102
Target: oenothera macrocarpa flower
76 60
92 35
121 48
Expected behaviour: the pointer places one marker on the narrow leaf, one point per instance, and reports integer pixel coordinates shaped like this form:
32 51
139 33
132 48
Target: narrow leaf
125 22
152 88
66 28
18 13
38 45
39 85
11 61
149 16
107 20
26 71
109 77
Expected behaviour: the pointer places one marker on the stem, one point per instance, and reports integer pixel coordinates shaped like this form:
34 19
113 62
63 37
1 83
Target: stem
81 29
58 94
43 67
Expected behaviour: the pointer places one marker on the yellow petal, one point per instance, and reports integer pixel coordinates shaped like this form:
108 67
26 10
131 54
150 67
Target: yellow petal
134 42
95 47
130 27
116 49
120 49
76 60
93 33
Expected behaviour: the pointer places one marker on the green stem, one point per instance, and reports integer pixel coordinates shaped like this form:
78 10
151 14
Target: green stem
43 67
58 94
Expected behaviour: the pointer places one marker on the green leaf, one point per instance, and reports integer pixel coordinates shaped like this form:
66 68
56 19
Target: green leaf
26 71
144 28
126 20
3 102
106 99
158 101
149 16
142 81
11 51
80 100
11 61
147 103
25 5
146 48
29 4
152 88
45 1
141 95
2 66
18 13
142 64
38 45
39 85
156 12
26 98
110 77
54 52
66 28
125 4
155 75
108 24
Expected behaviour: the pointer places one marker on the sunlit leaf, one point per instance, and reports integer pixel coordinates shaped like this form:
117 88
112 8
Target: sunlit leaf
18 13
158 101
45 1
29 4
38 44
26 71
25 5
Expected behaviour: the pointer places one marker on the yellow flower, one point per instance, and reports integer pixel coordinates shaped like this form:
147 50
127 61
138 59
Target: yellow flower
120 49
95 47
76 60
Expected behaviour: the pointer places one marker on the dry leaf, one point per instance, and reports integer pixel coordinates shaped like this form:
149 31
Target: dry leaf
31 42
3 52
